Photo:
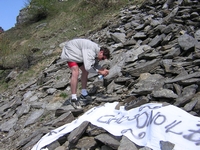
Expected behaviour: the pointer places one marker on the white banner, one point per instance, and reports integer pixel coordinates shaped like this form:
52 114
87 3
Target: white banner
146 125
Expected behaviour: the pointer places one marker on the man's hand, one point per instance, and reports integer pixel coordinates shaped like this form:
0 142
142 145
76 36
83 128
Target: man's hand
104 72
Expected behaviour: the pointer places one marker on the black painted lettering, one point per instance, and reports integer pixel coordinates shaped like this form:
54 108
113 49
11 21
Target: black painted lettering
172 125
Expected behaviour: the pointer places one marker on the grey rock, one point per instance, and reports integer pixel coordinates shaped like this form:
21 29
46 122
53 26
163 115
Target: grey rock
108 140
118 37
34 137
8 125
147 83
33 98
53 106
23 109
187 94
189 106
143 67
12 75
53 145
189 76
197 34
78 132
164 145
28 94
38 105
164 93
4 106
86 143
132 55
34 117
23 87
51 91
171 15
145 148
126 144
60 148
139 35
61 120
186 42
157 40
197 97
105 147
107 99
93 130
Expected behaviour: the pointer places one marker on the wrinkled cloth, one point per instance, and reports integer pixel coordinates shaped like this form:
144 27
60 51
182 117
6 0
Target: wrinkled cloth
82 51
145 125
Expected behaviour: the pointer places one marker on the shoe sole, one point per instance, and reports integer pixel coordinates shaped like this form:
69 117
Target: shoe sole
75 105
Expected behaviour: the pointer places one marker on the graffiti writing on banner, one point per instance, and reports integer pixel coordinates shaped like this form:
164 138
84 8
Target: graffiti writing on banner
145 118
194 135
136 124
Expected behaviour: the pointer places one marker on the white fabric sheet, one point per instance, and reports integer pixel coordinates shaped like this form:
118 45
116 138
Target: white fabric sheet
146 125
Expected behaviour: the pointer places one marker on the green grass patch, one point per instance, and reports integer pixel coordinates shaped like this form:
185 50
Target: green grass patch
63 95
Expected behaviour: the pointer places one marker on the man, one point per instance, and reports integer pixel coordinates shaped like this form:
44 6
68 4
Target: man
83 54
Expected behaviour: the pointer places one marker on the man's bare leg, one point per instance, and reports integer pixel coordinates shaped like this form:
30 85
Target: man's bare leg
74 79
74 85
84 77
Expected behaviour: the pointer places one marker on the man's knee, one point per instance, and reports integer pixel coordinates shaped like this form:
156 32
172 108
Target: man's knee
75 71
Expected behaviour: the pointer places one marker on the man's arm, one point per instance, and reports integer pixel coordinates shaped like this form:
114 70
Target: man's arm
101 71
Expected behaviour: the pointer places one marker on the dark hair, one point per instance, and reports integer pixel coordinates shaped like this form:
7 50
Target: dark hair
106 52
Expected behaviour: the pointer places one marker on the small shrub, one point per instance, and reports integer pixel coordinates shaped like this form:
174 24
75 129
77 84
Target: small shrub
63 95
40 9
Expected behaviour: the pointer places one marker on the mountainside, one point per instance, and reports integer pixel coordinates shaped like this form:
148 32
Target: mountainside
42 26
155 59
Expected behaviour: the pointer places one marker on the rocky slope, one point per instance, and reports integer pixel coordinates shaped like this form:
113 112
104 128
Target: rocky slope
155 58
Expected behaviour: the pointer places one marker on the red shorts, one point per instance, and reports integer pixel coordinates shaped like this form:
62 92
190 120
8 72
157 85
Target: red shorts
71 64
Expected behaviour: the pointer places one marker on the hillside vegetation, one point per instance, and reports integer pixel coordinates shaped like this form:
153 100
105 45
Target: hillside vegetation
30 46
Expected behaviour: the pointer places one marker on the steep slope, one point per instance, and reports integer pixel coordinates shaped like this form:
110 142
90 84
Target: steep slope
155 58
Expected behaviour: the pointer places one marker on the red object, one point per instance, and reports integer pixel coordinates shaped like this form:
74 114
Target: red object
71 64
